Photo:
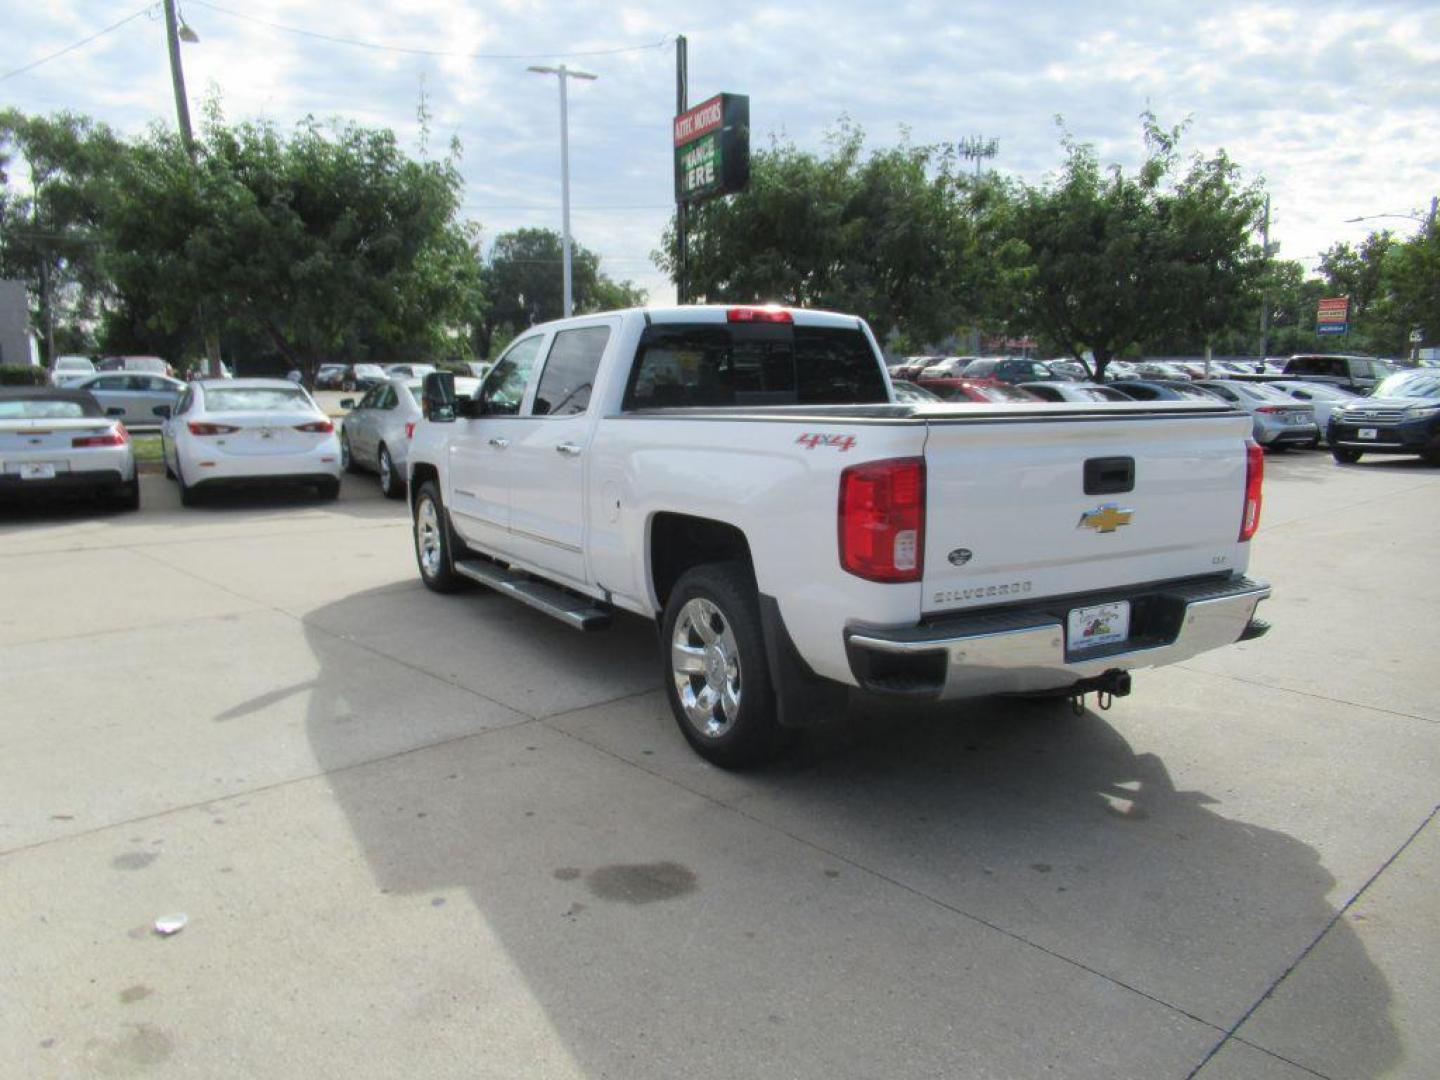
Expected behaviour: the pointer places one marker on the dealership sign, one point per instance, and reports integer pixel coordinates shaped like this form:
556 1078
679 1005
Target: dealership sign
1333 315
712 148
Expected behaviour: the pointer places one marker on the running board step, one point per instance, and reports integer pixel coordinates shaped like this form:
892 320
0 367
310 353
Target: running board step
576 612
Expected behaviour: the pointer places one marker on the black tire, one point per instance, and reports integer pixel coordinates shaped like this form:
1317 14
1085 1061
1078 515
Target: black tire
328 489
1431 457
722 597
127 496
188 495
347 456
392 485
436 563
1344 456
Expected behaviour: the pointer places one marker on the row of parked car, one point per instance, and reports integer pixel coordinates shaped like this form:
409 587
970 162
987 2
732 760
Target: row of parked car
222 432
1356 405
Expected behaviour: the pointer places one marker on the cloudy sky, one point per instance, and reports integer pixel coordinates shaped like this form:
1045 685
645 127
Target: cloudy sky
1333 104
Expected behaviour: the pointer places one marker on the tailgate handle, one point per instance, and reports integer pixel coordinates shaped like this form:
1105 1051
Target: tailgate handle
1109 475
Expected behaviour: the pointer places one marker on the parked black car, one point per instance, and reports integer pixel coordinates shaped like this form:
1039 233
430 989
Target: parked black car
1401 417
1161 390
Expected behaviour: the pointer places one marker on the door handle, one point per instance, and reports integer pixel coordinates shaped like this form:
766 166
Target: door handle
499 443
569 449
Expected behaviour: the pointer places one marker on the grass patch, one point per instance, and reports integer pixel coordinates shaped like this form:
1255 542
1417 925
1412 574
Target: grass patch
147 447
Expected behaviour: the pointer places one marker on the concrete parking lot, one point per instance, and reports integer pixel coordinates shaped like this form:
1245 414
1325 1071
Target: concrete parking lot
445 836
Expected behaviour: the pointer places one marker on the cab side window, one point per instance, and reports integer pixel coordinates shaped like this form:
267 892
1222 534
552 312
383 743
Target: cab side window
569 374
387 398
505 387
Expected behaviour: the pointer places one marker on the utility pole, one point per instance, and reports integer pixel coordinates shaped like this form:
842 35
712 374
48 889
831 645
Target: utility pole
1265 293
564 73
682 208
177 77
174 34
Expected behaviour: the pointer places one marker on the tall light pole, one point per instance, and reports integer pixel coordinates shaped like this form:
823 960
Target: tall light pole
177 31
563 73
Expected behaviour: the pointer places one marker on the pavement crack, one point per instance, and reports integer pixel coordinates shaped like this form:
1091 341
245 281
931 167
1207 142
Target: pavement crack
1305 693
1310 948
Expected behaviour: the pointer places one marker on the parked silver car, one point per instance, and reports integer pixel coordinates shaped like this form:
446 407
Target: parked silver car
1073 391
377 431
70 370
1324 398
132 397
1279 420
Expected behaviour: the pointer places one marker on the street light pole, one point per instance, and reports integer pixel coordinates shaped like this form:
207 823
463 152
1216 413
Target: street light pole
563 73
177 77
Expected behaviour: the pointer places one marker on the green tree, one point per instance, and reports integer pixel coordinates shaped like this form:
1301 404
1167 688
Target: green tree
330 243
890 235
1103 261
1415 275
524 280
48 227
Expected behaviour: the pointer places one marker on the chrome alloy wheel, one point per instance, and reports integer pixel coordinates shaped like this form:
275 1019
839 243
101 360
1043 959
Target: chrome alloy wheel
427 536
386 469
705 663
344 450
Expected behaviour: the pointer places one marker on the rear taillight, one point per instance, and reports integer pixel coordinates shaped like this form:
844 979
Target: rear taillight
319 427
116 436
759 314
1272 409
1254 479
882 520
211 429
410 430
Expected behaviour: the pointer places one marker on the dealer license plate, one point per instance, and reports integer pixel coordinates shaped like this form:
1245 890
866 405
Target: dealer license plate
1368 433
1102 624
37 470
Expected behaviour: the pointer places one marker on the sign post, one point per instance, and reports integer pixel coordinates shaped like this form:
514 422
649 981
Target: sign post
712 157
1333 315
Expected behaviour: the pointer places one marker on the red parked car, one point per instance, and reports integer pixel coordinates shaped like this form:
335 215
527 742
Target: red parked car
985 391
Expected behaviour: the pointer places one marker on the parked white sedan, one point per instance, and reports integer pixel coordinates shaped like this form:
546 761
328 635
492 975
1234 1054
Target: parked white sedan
249 431
54 439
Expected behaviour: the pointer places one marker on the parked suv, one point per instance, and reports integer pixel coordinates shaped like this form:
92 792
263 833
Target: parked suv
1361 373
1401 417
1008 371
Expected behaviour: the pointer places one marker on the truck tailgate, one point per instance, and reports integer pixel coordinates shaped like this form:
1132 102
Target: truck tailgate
1009 518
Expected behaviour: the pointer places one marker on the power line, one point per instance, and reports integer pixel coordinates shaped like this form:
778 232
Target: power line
424 52
147 9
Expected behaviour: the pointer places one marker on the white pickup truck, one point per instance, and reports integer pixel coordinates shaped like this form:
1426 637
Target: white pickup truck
744 477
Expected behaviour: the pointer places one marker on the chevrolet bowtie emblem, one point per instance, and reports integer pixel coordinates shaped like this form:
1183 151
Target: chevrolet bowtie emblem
1105 519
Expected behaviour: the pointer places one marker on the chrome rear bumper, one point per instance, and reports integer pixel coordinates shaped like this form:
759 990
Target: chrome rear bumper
1020 650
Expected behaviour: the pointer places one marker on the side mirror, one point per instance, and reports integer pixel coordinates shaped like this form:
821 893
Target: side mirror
347 403
437 397
162 411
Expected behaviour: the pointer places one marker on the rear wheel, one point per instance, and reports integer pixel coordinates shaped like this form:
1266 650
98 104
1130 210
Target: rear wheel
717 674
188 495
127 496
347 459
1344 456
434 548
392 486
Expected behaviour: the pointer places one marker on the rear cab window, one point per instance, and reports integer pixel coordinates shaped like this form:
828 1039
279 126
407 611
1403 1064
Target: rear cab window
568 378
753 364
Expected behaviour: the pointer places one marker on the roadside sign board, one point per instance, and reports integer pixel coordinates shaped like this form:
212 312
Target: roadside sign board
712 148
1333 315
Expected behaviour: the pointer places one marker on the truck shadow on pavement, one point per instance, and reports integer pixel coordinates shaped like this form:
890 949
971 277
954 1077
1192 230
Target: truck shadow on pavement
654 906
